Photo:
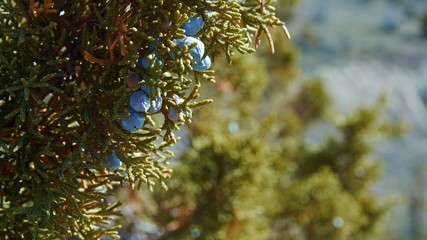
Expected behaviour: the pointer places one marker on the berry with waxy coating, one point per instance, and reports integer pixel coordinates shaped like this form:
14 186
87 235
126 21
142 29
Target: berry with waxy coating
177 99
147 88
187 113
166 25
139 101
113 162
203 64
134 122
133 79
152 45
193 26
173 114
156 106
196 52
146 63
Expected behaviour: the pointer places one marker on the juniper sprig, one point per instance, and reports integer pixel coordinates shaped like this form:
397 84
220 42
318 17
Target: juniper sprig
68 71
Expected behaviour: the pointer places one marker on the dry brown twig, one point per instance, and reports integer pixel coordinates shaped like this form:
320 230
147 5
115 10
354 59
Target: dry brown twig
264 28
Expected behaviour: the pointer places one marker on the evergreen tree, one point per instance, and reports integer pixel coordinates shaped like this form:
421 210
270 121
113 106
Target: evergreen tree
249 173
88 85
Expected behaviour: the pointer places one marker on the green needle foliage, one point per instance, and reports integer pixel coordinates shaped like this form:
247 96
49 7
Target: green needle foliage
249 171
63 70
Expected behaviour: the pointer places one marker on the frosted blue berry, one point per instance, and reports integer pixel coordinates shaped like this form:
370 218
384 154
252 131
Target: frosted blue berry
193 26
146 63
212 15
196 52
187 113
166 25
203 64
178 100
156 105
113 162
133 79
152 46
173 114
139 101
147 88
134 122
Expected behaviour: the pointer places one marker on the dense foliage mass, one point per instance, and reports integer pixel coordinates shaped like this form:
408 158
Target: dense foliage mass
91 95
271 159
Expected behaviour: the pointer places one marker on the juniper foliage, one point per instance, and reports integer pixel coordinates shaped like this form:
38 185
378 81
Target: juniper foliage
251 170
63 69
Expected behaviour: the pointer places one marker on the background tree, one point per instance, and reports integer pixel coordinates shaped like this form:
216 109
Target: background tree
251 168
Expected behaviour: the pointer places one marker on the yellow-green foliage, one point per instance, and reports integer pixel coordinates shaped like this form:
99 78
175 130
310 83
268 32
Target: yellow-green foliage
248 173
63 70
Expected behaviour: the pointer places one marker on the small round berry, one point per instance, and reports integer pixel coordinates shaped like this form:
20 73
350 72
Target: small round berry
152 45
187 113
212 15
134 122
173 114
196 52
146 63
156 106
139 101
113 162
166 25
133 79
178 100
193 26
147 88
203 64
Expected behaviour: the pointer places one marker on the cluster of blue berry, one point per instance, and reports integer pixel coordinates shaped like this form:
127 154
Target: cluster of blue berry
148 99
192 27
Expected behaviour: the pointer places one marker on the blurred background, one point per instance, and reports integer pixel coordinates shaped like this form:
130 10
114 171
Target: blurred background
365 48
325 139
